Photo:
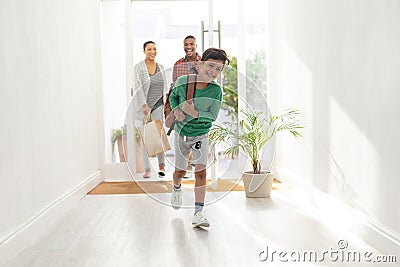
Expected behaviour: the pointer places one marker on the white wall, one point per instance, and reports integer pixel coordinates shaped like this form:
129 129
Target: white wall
338 61
50 86
114 68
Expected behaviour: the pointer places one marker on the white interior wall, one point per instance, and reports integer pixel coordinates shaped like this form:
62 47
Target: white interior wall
338 61
114 69
335 60
50 86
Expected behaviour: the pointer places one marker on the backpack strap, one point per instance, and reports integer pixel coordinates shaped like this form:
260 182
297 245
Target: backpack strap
190 87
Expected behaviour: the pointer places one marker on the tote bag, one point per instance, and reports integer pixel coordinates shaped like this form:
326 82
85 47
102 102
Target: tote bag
154 139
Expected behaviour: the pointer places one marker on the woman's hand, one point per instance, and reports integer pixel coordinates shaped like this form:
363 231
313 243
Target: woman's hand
146 109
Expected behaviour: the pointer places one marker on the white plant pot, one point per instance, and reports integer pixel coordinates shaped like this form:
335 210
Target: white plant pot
258 185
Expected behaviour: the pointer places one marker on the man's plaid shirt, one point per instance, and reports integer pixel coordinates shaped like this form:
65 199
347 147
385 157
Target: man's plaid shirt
183 67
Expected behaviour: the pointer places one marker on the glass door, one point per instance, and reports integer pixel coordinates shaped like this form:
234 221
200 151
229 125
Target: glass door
234 25
243 35
166 23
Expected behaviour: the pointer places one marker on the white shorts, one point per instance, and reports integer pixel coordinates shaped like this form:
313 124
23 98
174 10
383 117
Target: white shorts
183 145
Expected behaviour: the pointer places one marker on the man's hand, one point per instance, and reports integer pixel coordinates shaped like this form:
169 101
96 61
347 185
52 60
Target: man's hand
179 116
188 108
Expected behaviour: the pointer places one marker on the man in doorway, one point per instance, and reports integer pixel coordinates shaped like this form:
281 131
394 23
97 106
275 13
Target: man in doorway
189 64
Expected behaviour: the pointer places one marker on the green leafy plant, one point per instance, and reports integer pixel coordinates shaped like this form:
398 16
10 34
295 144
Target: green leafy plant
254 131
117 133
137 136
230 93
256 83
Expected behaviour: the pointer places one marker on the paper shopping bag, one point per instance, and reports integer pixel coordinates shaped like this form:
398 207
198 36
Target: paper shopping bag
154 139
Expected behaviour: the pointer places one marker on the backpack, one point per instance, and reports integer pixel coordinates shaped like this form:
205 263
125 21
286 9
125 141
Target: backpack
168 114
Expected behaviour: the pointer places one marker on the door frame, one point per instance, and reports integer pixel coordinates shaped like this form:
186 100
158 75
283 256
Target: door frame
121 171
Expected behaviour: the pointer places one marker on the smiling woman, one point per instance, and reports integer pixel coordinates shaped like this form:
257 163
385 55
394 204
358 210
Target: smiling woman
149 87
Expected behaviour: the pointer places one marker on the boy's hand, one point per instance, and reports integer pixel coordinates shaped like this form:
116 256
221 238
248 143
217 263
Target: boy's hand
188 108
179 116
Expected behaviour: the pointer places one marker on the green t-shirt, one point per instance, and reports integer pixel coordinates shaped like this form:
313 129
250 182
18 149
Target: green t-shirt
206 101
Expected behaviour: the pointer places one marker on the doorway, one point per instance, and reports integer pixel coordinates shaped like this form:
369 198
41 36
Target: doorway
237 27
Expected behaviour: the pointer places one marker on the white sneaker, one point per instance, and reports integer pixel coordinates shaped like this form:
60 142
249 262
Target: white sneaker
200 220
176 199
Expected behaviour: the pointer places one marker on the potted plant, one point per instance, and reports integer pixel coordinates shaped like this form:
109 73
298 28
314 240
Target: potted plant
138 148
119 136
250 136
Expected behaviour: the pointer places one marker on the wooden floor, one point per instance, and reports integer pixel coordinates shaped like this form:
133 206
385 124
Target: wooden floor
143 230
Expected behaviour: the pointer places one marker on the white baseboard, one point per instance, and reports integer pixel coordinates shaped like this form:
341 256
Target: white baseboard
373 233
17 240
379 236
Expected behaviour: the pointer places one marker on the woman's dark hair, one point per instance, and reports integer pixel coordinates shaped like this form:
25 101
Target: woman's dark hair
216 54
146 43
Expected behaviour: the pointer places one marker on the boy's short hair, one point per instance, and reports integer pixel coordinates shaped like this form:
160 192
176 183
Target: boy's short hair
216 54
